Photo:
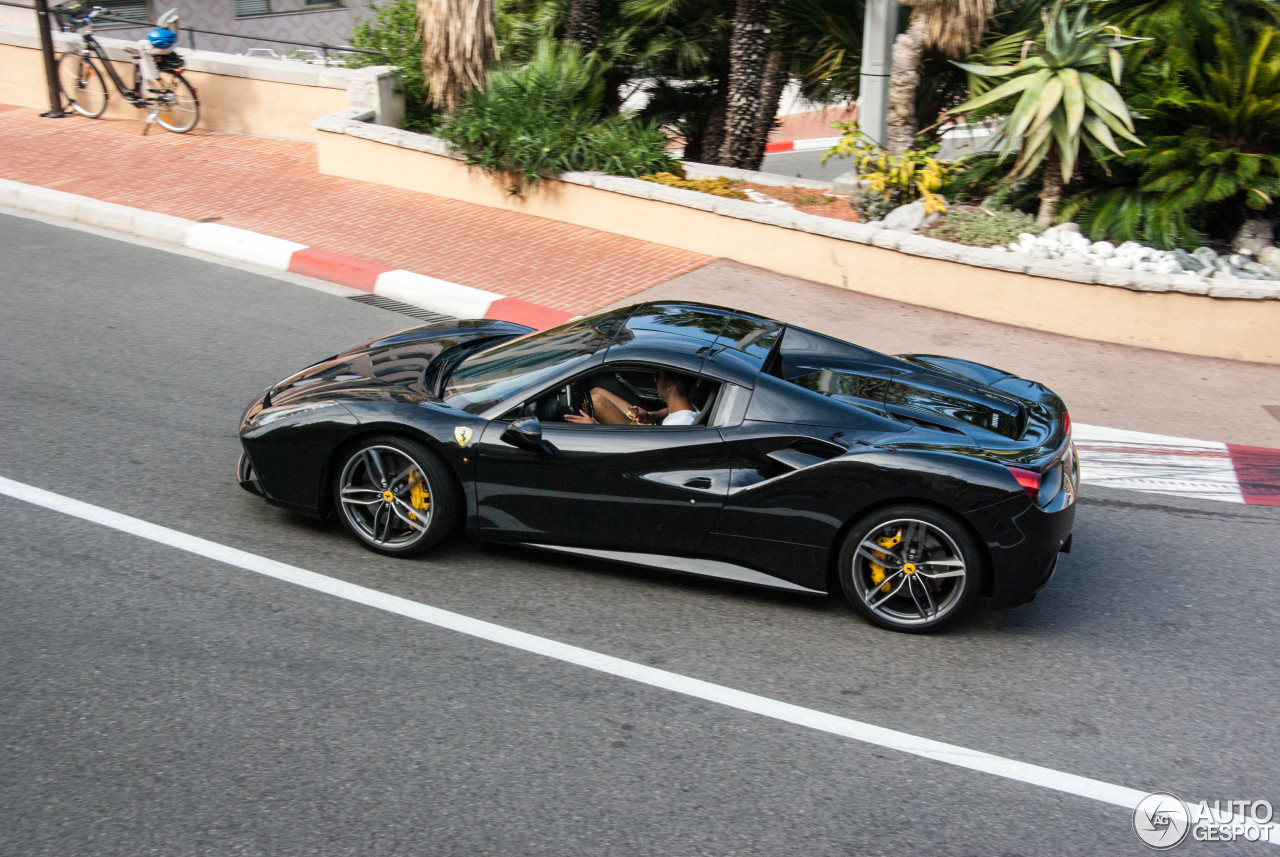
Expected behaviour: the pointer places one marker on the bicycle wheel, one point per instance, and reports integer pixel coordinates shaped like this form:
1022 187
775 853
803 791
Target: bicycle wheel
175 102
81 85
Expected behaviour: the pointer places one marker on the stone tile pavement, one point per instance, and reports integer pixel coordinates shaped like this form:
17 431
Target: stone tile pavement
271 186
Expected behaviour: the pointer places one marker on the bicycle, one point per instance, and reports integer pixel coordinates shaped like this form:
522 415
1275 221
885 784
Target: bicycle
169 99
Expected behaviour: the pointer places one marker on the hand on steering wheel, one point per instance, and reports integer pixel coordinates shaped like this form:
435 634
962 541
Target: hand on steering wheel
581 410
580 402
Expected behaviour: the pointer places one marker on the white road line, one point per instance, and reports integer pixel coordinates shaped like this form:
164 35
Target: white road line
867 733
1158 464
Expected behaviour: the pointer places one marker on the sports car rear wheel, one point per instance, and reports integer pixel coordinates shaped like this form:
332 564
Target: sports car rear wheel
910 568
395 495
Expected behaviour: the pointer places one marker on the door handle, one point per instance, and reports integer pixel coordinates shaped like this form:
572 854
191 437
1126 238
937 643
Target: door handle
703 482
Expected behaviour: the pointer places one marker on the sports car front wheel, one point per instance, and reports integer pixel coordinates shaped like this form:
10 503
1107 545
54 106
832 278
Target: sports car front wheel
910 568
395 495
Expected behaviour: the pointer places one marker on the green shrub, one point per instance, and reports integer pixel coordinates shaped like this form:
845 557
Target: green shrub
982 227
393 30
871 206
544 118
1208 102
719 186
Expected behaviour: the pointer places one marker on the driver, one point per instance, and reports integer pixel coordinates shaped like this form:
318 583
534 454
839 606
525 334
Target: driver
611 409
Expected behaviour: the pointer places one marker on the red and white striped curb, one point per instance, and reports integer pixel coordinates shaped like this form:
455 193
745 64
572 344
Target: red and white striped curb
1183 467
277 254
800 145
397 284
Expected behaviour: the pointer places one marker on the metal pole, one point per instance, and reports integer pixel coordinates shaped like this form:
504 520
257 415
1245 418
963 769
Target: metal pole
879 28
50 69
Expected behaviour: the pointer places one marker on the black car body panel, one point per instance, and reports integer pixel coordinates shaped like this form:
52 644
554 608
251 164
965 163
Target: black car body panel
801 435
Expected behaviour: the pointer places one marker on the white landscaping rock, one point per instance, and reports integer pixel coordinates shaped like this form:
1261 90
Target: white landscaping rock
1254 236
909 217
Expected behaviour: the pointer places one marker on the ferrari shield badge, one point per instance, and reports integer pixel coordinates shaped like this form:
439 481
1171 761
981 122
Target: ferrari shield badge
462 435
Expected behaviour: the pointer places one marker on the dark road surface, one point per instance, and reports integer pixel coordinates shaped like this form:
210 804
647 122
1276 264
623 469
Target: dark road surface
154 701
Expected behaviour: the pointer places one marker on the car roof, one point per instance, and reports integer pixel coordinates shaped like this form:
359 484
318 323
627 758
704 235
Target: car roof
698 338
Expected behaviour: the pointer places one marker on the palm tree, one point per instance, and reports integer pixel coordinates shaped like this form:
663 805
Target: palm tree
1061 101
583 26
748 56
458 48
950 26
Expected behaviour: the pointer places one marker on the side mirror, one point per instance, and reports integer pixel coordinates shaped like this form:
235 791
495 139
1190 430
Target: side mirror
525 432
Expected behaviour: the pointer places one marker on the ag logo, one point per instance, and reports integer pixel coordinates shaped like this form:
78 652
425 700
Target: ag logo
462 435
1161 821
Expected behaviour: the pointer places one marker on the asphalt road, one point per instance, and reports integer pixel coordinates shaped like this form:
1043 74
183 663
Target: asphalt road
153 701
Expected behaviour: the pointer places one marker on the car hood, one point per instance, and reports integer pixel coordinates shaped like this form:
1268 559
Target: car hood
400 366
1007 415
954 402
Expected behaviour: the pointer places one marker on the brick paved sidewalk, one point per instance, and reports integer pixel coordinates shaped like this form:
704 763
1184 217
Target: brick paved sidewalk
272 187
817 123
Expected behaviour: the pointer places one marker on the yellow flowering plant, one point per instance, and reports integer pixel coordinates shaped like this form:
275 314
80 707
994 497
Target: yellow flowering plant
915 174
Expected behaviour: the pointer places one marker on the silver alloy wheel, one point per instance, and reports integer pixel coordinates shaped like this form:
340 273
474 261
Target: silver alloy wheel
385 496
909 572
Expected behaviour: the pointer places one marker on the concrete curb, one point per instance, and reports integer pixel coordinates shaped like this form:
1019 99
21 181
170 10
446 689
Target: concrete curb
801 145
278 254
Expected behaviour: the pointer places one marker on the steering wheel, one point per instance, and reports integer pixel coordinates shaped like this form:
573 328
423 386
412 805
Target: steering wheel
579 401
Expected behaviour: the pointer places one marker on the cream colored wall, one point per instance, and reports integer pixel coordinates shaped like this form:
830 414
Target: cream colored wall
22 78
240 104
1190 324
262 107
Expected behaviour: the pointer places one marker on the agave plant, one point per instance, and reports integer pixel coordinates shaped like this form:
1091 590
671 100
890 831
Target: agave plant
1062 100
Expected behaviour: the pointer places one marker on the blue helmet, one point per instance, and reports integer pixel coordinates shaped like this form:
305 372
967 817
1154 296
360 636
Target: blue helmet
162 38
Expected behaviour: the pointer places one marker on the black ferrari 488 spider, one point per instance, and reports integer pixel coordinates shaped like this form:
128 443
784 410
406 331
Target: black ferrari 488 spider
912 484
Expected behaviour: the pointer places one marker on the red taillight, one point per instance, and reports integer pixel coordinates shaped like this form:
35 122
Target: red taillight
1066 423
1029 480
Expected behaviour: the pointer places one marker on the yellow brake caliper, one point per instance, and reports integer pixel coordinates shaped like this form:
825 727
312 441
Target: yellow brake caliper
418 495
877 570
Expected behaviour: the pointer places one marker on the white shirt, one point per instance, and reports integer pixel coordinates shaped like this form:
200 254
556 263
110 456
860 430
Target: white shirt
680 418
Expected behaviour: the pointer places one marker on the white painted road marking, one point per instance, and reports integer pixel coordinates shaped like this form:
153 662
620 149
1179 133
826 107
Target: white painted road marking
1159 464
866 733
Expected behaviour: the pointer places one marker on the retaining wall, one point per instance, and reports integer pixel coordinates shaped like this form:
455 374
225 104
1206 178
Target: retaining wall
249 95
1236 319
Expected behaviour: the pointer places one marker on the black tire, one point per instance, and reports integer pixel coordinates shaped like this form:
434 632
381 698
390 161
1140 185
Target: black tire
380 485
175 102
897 592
81 83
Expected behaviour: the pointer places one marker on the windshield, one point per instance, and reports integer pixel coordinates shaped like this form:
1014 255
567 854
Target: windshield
494 376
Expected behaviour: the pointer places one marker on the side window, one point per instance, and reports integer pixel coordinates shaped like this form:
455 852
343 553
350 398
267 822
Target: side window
638 396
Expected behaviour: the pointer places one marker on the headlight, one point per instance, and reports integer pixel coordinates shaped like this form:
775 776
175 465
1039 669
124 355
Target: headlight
270 415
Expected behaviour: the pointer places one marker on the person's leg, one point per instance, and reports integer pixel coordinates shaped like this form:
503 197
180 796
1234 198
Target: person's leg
609 408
